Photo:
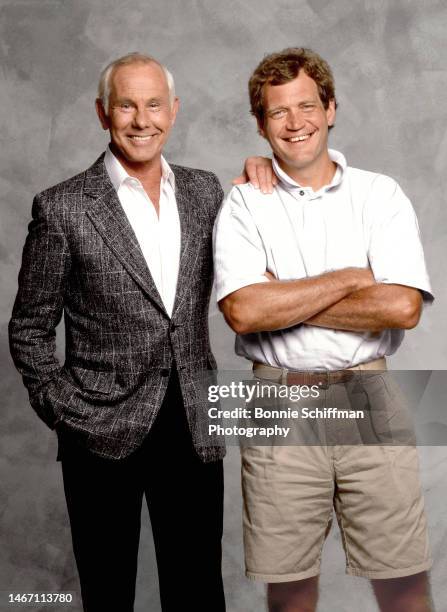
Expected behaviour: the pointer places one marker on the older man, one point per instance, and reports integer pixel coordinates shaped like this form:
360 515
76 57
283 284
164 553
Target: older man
123 250
319 279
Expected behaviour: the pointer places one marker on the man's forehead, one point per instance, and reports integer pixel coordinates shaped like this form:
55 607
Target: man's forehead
302 86
138 76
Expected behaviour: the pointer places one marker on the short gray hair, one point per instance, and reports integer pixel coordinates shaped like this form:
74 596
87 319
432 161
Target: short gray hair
126 60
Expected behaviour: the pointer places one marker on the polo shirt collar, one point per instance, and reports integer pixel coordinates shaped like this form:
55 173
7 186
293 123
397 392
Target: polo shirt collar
290 184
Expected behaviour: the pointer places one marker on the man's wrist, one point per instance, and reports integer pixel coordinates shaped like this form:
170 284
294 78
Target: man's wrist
357 278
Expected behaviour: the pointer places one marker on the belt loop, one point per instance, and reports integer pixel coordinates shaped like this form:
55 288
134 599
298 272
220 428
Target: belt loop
284 372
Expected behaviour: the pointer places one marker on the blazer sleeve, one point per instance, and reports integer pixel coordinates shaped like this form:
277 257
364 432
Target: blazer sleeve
219 196
39 303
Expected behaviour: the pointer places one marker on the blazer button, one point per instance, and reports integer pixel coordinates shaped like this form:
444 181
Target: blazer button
164 372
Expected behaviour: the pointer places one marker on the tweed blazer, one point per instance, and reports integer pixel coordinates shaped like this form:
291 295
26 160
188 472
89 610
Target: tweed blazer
82 259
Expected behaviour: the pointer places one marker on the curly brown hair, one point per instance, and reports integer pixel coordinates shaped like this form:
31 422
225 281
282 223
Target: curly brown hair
282 67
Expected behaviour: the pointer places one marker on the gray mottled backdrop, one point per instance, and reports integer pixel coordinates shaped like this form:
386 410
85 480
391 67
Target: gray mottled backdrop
389 58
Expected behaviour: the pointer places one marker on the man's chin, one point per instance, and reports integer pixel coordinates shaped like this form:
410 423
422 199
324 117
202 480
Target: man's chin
296 163
141 157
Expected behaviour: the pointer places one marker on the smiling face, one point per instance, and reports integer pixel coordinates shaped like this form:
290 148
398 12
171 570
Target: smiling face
296 126
140 114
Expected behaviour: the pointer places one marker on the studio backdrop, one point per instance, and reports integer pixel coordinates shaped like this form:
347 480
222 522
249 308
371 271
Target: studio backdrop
389 61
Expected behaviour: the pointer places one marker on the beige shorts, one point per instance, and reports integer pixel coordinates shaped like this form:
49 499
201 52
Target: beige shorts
290 493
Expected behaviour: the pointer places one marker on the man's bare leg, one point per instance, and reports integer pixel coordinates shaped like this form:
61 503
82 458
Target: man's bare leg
409 594
298 596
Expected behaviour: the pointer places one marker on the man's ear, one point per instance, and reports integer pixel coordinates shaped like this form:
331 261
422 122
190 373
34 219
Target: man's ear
261 130
102 115
174 110
330 113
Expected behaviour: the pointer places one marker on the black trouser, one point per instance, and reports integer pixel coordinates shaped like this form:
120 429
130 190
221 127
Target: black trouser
185 501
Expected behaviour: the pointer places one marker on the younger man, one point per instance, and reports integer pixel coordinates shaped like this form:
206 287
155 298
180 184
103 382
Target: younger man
341 249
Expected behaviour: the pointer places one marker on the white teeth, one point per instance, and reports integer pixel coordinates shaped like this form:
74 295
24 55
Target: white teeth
140 137
299 138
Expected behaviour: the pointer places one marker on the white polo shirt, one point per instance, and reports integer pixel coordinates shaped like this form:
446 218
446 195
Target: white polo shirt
158 236
361 219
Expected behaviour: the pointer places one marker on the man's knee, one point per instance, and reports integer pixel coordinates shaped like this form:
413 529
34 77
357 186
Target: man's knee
407 594
297 596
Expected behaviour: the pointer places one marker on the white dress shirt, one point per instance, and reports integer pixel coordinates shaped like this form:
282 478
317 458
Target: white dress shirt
361 219
158 236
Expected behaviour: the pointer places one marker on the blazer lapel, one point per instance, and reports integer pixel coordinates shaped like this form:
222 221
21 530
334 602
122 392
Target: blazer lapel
191 237
106 213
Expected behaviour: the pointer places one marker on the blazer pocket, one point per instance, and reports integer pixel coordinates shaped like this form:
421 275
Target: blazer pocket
93 380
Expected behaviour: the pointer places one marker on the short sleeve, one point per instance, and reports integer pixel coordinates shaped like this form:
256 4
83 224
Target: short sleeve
395 251
239 254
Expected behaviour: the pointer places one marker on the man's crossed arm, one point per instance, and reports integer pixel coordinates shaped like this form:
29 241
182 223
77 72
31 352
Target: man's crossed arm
347 299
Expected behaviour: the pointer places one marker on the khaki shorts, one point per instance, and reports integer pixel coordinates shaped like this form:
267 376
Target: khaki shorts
290 493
